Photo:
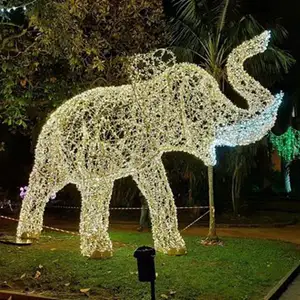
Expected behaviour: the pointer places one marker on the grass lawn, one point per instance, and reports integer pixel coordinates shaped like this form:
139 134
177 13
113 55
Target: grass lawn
241 269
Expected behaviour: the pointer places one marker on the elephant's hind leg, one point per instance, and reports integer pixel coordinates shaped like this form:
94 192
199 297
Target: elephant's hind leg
153 183
94 219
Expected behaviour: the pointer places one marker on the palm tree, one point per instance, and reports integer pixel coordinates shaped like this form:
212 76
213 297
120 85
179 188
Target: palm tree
205 32
239 162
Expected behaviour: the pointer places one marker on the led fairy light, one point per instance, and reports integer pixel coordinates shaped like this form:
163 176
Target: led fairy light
287 144
288 148
108 133
24 7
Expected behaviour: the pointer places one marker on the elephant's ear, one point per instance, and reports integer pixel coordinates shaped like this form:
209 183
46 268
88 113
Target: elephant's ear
149 65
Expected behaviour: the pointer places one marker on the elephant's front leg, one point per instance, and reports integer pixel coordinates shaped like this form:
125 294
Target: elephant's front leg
94 219
153 183
41 187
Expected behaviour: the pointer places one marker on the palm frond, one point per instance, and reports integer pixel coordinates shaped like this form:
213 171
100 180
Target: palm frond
221 14
187 54
270 66
186 10
279 33
247 27
184 36
212 35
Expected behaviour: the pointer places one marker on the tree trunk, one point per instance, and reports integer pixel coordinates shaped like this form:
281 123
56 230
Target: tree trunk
190 201
212 234
287 177
238 203
235 190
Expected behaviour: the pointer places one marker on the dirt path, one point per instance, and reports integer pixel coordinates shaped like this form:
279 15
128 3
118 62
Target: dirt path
287 234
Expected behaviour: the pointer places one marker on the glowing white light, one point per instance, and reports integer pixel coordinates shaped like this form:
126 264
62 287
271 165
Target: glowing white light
108 133
24 7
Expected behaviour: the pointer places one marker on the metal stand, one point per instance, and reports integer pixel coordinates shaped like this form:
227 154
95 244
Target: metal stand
152 290
12 240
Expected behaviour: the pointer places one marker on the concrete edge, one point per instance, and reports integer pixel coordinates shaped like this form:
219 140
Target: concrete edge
22 296
282 285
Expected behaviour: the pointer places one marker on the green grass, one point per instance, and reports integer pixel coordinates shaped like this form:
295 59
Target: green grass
242 269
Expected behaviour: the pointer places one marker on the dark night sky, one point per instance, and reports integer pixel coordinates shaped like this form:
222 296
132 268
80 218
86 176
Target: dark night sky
288 12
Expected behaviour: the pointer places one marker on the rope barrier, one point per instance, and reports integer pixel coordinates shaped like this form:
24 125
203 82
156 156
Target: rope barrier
127 208
194 222
46 227
2 206
116 208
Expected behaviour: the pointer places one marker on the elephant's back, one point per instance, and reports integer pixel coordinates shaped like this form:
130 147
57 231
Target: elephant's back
97 128
90 102
81 115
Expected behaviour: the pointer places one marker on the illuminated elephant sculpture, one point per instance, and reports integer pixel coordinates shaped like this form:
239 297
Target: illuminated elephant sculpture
112 132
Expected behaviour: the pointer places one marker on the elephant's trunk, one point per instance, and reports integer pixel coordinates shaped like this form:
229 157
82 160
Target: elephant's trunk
257 96
249 125
248 131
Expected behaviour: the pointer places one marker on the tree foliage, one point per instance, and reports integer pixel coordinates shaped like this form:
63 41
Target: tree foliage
205 32
60 48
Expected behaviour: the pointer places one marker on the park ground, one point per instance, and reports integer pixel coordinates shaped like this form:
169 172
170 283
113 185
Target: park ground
247 266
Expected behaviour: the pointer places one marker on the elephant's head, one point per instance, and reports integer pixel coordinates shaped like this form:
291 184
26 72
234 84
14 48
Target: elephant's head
213 120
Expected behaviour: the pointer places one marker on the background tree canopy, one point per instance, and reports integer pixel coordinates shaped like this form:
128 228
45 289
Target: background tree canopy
60 48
